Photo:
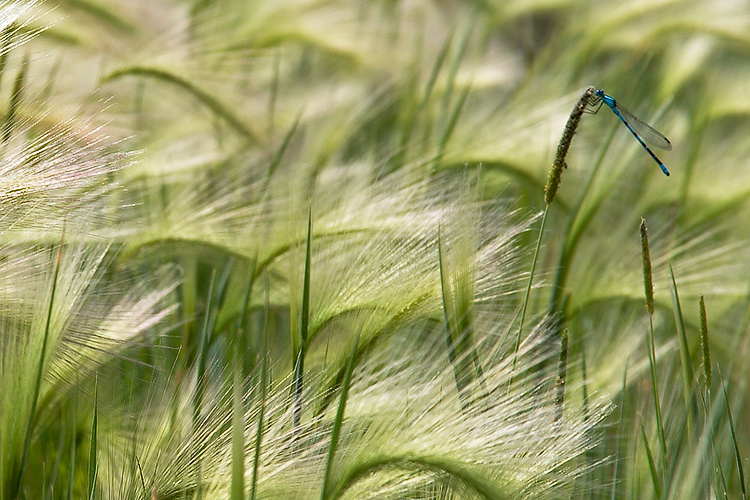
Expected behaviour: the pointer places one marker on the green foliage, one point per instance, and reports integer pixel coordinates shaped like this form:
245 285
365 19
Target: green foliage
281 250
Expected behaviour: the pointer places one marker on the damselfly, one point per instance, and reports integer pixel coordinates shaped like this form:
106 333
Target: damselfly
640 129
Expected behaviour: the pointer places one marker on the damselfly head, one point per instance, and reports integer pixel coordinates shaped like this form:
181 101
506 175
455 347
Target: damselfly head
600 93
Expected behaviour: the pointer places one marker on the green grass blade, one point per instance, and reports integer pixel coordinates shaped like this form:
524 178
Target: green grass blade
60 453
282 149
325 491
304 327
737 454
436 68
478 485
209 101
103 15
687 367
452 121
651 464
446 295
456 60
449 315
15 100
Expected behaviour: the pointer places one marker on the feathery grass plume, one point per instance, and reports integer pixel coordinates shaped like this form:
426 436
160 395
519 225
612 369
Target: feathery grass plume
78 333
457 253
648 282
433 445
232 72
16 18
13 489
555 173
705 348
57 173
391 272
403 433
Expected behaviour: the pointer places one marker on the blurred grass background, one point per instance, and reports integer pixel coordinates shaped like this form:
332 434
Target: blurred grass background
297 235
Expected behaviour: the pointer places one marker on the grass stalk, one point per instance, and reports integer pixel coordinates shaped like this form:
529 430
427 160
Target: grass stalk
649 293
527 292
550 191
577 223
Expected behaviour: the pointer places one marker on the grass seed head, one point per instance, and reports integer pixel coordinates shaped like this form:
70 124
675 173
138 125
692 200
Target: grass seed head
648 281
704 343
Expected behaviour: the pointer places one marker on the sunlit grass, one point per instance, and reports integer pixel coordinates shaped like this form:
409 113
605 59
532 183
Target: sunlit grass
282 250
